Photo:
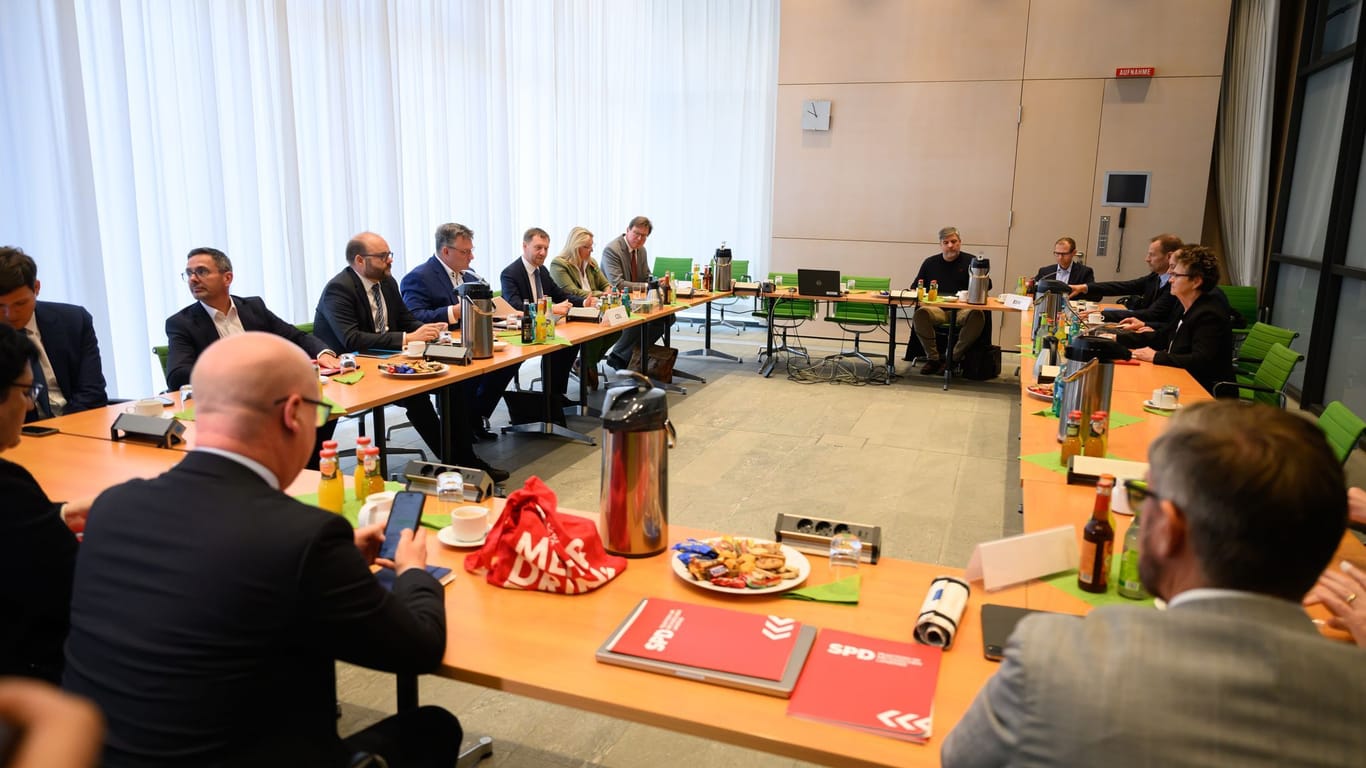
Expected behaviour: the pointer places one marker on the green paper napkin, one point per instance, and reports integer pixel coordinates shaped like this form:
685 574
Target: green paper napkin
516 341
185 414
1117 419
1157 411
351 506
349 378
337 410
1067 582
843 591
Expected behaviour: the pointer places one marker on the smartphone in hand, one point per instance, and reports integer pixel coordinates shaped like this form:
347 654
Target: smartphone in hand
406 513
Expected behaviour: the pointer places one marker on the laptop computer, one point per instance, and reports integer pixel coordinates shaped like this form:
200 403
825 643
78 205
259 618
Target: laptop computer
818 282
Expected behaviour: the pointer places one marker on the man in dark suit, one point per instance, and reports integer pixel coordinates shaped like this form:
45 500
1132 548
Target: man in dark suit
1242 509
1148 289
430 293
217 314
527 280
627 267
362 309
209 608
68 361
1067 268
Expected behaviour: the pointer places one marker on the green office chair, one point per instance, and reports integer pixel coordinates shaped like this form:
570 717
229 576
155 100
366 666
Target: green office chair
784 315
163 353
1343 429
305 327
1260 337
858 318
739 270
679 267
1268 383
1243 299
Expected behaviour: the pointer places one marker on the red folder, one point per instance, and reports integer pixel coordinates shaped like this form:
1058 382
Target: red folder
875 685
706 637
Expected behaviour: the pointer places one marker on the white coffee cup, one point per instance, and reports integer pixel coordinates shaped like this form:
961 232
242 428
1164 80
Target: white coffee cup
415 348
147 406
469 523
1163 398
1095 317
962 295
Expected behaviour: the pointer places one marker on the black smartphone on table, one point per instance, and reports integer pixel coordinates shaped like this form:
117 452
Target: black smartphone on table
998 621
33 430
405 513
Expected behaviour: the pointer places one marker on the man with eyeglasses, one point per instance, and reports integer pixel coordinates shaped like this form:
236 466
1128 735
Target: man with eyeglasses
627 267
209 608
68 361
362 309
217 314
1149 292
1243 508
430 293
1067 269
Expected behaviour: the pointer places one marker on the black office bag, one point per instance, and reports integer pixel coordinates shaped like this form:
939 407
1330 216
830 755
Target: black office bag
982 362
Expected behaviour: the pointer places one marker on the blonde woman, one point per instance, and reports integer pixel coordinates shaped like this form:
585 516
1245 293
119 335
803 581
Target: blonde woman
578 274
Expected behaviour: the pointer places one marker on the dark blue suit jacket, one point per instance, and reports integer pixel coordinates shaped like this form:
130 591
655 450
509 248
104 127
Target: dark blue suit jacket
68 334
517 286
343 320
190 331
427 290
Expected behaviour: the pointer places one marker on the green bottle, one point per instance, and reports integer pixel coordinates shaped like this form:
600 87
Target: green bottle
1130 585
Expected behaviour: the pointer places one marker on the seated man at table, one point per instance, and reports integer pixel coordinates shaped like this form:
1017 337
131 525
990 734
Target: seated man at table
209 608
627 267
1150 291
527 280
430 293
1244 506
362 309
950 268
1067 268
68 362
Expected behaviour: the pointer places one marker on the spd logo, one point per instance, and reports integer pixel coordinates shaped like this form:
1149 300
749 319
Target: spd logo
862 654
659 640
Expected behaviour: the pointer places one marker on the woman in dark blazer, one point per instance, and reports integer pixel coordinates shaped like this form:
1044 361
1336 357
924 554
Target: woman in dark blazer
35 604
1202 340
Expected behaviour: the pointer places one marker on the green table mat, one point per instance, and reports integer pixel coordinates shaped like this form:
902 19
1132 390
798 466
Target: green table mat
1117 419
351 506
515 339
349 378
187 414
1067 582
1050 460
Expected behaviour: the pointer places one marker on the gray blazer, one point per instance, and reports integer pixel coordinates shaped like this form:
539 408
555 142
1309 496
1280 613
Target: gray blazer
1240 680
616 264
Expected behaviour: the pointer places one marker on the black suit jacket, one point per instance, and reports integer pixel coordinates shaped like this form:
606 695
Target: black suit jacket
343 320
191 330
1146 288
40 555
1202 342
1079 274
517 286
209 611
73 350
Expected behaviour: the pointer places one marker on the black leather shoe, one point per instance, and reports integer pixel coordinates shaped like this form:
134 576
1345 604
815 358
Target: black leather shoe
932 367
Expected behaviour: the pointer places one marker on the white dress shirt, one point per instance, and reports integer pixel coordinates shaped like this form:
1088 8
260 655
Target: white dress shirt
227 323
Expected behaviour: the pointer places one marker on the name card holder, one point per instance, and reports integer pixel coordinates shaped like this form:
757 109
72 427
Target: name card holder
163 433
616 316
1004 562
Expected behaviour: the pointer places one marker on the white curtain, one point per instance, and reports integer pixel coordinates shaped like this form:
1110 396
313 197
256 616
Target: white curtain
135 131
1243 147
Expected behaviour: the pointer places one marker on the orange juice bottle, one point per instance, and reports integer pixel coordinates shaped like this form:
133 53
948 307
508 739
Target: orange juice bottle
358 477
1071 444
374 481
331 491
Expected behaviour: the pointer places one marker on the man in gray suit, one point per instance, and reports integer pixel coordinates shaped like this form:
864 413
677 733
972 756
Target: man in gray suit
627 268
1243 508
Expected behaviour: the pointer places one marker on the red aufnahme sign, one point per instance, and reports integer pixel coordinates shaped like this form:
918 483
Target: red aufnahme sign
1135 71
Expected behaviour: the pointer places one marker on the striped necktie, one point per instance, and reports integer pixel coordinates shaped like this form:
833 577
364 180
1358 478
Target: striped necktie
40 404
380 327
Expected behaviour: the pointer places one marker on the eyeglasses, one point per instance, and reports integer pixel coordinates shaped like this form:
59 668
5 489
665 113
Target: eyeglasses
1060 255
199 272
382 256
324 409
1138 493
32 391
462 251
1186 275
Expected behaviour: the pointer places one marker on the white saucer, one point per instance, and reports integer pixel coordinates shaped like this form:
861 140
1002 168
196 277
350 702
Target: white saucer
447 536
1155 406
500 344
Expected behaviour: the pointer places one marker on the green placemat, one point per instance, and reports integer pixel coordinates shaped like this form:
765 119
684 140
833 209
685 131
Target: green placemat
845 590
349 378
1067 582
351 507
337 410
1117 419
516 341
1050 460
184 414
1157 411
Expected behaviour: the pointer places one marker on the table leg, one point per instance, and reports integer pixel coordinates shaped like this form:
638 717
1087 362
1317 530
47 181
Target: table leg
445 402
767 368
948 352
407 691
706 350
378 413
893 315
548 427
668 341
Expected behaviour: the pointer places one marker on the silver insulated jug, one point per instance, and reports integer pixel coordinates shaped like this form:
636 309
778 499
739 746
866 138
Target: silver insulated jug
979 280
721 279
1088 378
476 319
636 438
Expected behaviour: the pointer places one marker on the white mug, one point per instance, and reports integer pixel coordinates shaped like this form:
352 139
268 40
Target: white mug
147 406
416 348
469 523
962 295
1163 398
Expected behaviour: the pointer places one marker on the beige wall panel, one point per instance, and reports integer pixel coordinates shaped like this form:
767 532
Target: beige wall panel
898 162
1054 171
879 41
1090 38
1163 125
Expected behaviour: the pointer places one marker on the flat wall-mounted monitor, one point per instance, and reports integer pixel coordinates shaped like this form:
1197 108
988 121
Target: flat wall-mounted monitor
1126 189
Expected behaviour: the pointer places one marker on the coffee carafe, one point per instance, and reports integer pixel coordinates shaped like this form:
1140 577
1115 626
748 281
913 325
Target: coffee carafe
979 280
1088 378
476 319
721 277
636 438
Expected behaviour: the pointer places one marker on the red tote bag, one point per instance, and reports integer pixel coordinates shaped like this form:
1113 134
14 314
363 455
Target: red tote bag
533 547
